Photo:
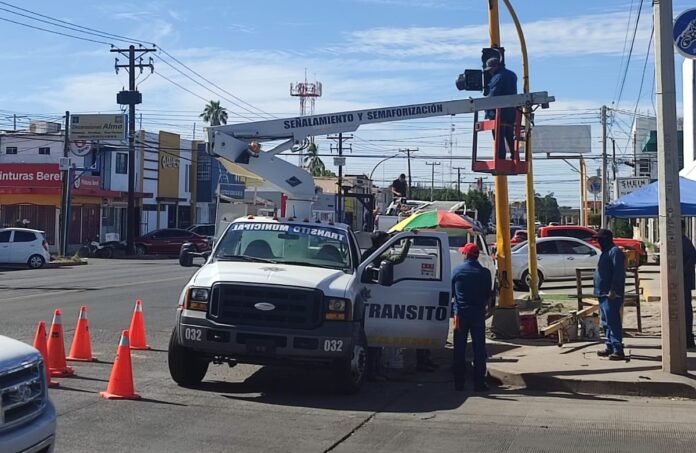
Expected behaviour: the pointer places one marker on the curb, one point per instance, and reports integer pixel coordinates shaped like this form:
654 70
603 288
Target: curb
546 382
53 265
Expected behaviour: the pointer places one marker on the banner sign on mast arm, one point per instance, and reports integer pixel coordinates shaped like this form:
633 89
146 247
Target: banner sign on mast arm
684 33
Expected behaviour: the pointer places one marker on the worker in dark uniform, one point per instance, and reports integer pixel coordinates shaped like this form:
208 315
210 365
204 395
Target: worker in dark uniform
609 286
503 82
689 262
471 288
398 187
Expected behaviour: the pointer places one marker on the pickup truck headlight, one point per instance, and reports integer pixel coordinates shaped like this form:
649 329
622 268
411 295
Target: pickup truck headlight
337 309
197 299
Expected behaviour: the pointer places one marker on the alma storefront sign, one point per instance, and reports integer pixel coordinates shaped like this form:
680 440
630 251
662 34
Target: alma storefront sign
41 176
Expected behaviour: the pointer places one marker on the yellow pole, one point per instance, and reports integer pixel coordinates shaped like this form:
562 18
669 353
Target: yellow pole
502 204
531 217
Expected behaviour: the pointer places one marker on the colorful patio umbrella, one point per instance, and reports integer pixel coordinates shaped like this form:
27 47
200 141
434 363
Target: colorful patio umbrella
435 220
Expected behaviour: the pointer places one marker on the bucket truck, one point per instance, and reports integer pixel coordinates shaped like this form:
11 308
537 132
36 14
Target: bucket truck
294 290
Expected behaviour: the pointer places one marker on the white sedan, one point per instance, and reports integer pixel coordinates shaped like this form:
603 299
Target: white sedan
23 246
557 258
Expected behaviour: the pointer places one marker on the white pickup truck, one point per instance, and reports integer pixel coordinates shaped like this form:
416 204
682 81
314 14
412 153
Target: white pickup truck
27 416
282 291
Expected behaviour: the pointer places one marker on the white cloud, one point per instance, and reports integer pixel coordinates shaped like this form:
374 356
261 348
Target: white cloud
596 34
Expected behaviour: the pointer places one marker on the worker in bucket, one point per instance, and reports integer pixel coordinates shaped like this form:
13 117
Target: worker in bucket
609 285
503 82
471 287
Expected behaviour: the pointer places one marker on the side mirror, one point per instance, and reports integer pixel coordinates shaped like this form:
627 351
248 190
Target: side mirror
185 255
369 274
386 273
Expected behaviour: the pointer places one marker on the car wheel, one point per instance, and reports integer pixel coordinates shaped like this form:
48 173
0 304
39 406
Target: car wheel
36 261
186 367
140 250
350 373
526 280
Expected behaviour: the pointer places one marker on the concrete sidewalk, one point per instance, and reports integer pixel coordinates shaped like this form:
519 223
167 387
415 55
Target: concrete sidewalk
575 367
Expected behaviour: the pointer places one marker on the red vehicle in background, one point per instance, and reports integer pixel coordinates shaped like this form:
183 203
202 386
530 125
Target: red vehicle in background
586 234
168 241
519 237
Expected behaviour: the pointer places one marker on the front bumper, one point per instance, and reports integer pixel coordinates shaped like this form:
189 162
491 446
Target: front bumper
327 343
37 435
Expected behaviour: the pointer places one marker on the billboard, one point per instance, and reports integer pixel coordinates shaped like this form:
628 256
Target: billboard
97 127
562 140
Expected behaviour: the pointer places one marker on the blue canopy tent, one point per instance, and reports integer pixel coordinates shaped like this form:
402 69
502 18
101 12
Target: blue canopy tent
644 202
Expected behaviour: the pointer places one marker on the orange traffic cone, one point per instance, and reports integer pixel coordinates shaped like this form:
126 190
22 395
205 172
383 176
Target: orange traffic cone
121 380
57 365
40 344
137 328
81 349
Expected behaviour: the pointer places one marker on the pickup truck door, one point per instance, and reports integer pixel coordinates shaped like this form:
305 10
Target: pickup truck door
408 304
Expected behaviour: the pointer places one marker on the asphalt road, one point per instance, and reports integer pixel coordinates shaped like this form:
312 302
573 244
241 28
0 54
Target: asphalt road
250 408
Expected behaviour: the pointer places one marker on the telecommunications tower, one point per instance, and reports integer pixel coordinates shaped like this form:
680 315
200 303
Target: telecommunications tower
307 92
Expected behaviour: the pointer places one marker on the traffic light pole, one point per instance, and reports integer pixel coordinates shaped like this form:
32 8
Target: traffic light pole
506 323
531 216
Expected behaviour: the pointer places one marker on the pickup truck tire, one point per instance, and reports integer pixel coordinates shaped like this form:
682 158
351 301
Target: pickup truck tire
186 367
350 373
523 284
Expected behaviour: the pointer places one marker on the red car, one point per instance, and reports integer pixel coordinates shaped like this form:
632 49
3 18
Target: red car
519 237
586 234
168 241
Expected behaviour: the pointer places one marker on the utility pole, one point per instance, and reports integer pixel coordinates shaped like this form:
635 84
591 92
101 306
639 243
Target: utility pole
671 279
339 198
583 193
408 152
432 177
605 192
459 182
614 170
131 97
63 220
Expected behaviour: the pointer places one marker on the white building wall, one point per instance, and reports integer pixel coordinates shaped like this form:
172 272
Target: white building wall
689 102
28 149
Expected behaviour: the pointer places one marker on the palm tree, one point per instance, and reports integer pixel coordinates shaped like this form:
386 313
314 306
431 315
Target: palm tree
214 113
313 162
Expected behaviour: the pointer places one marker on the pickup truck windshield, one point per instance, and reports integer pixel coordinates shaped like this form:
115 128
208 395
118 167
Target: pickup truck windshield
305 245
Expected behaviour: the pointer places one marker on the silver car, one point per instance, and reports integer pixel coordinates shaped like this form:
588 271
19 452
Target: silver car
557 259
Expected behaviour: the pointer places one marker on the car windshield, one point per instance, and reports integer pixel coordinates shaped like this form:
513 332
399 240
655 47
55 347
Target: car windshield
519 246
311 245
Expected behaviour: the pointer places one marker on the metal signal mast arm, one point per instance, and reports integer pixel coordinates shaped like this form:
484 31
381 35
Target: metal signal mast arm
238 143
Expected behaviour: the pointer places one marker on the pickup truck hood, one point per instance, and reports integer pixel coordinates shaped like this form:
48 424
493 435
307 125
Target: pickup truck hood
13 352
331 281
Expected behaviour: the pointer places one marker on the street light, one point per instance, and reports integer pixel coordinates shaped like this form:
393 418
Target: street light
380 163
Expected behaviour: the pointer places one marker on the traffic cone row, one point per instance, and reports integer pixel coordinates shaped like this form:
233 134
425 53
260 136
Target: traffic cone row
53 351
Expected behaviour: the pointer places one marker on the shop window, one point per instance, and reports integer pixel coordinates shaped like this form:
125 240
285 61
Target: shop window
44 151
11 150
121 163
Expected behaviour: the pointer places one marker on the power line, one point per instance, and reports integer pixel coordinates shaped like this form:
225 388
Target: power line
55 32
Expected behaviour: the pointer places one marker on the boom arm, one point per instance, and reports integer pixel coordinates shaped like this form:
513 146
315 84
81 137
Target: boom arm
235 142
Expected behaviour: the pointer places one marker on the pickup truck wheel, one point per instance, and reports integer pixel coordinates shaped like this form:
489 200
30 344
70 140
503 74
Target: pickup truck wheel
185 366
350 373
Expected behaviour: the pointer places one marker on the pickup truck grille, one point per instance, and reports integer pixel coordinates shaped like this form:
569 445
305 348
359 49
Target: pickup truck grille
293 308
23 394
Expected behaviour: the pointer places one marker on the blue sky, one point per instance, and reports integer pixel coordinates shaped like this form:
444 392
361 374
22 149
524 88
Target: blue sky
366 53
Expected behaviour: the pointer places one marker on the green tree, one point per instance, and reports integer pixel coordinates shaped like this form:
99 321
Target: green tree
214 114
478 200
312 161
546 208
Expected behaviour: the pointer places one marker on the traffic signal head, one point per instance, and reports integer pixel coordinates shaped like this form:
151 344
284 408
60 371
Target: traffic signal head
470 80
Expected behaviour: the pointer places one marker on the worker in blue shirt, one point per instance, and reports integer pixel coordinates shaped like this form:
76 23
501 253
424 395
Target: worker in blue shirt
503 82
609 285
471 288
